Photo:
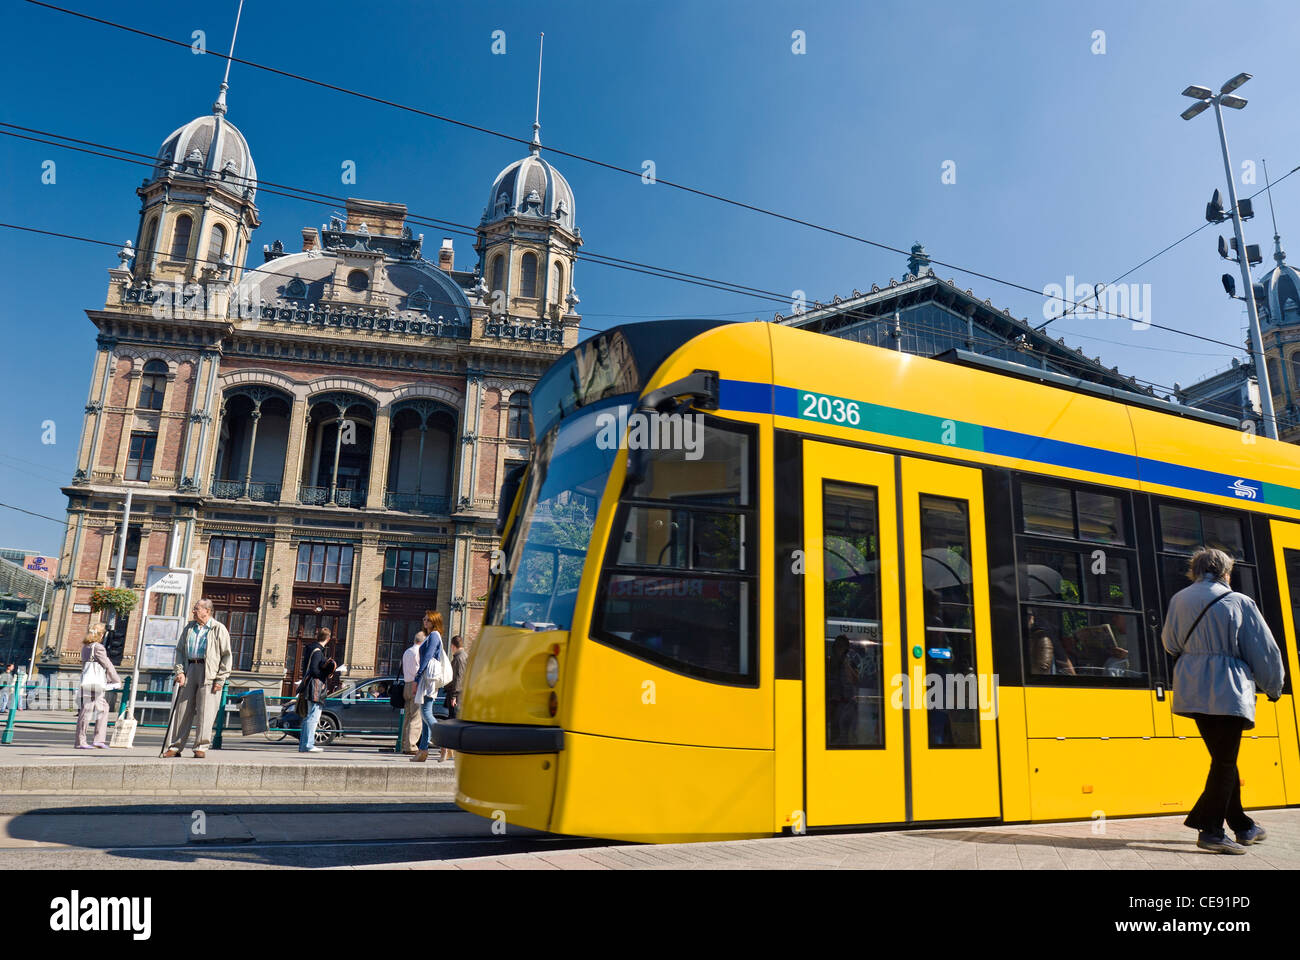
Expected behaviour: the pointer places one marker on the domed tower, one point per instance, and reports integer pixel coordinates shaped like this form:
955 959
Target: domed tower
528 240
197 211
1277 297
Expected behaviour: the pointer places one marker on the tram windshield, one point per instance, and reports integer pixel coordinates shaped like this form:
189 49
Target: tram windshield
550 540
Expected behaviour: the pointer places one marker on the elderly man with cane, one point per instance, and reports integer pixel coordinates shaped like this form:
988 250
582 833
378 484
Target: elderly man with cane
203 662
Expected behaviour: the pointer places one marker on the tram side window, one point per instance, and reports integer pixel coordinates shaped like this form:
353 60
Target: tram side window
679 586
1185 528
1079 599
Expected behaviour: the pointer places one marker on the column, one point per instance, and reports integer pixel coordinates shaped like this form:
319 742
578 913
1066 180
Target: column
90 429
252 447
380 448
363 620
128 421
298 426
273 619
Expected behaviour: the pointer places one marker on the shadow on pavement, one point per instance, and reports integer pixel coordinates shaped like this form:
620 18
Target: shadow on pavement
275 835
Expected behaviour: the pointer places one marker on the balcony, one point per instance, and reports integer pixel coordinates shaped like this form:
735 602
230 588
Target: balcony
343 496
258 491
417 503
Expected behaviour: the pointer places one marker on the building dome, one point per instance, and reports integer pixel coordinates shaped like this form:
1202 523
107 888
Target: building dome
210 147
1281 285
531 187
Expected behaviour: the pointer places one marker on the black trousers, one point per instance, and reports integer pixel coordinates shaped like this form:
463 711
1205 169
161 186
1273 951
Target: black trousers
1221 798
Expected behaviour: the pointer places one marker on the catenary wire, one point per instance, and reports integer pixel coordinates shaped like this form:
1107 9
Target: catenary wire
590 256
577 156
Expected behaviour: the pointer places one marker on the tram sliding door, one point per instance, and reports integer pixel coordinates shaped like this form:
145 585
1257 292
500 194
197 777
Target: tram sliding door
1286 546
855 769
953 708
899 694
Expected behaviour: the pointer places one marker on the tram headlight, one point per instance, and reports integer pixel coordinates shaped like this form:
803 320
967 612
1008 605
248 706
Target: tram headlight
552 670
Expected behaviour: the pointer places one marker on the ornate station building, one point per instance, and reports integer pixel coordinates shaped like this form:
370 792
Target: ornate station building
321 438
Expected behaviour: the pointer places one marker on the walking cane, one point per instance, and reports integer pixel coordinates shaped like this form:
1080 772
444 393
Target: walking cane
176 691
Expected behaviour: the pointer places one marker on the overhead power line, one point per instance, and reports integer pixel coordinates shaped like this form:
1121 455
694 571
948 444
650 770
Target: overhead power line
686 188
311 196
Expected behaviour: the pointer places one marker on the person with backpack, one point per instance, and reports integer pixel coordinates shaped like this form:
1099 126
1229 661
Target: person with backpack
1225 653
97 673
434 667
320 678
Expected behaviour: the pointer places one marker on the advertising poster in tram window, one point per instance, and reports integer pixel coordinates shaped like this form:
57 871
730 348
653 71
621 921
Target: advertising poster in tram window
863 665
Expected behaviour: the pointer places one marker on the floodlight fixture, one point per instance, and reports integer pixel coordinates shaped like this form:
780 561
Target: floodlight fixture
1229 285
1214 209
1197 92
1232 102
1223 247
1234 83
1195 110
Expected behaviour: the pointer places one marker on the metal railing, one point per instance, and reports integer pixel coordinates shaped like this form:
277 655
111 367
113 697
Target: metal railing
417 503
258 490
343 497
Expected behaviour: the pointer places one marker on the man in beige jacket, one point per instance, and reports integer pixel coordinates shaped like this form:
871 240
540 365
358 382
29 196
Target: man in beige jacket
203 661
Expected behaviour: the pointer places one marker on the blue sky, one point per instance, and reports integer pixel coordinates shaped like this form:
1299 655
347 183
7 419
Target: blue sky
1068 163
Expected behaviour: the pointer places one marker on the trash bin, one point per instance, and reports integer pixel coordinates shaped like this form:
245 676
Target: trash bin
252 713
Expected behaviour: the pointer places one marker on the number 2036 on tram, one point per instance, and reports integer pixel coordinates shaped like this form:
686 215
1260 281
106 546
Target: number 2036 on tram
757 580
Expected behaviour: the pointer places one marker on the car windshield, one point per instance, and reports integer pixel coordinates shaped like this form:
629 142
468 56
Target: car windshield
550 540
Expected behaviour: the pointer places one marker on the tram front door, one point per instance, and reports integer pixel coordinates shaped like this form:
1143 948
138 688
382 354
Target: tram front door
900 697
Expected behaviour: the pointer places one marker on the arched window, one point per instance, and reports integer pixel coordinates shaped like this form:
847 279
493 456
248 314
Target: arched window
498 271
1274 376
153 384
150 238
557 285
1295 370
216 245
517 419
181 237
528 275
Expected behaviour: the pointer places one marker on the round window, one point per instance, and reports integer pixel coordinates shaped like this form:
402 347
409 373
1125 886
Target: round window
358 281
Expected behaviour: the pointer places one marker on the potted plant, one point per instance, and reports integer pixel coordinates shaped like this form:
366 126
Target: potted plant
120 600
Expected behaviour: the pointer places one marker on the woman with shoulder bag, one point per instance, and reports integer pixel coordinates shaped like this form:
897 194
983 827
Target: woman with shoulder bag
1225 653
429 678
97 674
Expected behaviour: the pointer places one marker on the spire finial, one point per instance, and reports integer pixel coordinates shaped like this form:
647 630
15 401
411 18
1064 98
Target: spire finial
219 108
536 147
1278 254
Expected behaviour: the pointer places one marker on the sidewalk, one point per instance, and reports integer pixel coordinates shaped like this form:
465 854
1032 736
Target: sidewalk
1148 843
44 761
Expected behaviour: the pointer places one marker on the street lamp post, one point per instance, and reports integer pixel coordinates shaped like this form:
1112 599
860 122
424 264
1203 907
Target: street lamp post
1225 98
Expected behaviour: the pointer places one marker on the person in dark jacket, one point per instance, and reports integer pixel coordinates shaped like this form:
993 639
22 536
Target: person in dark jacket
1225 653
316 671
458 659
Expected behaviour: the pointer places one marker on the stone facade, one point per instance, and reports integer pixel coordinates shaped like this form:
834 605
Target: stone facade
320 438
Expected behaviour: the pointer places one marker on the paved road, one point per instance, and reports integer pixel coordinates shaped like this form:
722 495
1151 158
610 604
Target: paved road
105 834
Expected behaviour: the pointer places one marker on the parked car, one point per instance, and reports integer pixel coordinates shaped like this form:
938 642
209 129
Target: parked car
360 709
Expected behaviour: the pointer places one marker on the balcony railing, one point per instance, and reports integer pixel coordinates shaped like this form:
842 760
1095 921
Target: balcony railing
258 490
343 497
417 503
227 489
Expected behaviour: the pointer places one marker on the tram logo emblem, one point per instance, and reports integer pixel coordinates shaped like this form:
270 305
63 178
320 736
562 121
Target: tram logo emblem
1244 488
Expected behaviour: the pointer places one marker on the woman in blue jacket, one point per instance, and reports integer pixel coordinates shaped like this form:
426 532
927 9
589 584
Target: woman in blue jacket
1225 652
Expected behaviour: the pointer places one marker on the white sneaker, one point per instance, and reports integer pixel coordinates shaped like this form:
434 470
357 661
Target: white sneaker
314 750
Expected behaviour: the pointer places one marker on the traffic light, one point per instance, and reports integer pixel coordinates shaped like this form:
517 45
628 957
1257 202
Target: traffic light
115 644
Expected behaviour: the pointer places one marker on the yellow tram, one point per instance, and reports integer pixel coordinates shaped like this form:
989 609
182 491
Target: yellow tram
756 580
